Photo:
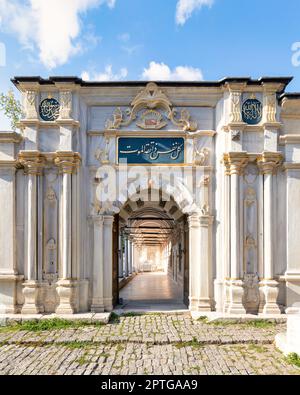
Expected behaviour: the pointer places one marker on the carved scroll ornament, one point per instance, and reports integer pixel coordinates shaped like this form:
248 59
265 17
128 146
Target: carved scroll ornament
151 98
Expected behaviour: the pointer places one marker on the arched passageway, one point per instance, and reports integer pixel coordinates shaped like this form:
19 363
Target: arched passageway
153 264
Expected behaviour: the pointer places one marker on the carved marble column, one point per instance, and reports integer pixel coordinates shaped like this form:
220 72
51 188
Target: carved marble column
67 286
126 255
268 163
235 162
108 261
32 162
98 278
200 258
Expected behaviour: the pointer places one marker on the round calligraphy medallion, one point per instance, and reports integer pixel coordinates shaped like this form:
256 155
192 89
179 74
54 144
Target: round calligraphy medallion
252 111
49 109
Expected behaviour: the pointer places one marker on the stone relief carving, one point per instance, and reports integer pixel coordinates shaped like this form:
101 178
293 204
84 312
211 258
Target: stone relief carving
102 155
65 105
50 271
235 135
30 105
235 107
251 174
151 98
251 294
205 209
270 107
201 156
250 220
205 181
151 119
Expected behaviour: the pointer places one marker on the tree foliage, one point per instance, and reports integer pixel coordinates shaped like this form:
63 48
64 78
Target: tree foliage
11 107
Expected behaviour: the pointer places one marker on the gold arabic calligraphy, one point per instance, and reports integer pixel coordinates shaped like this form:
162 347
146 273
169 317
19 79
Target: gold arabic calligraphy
152 149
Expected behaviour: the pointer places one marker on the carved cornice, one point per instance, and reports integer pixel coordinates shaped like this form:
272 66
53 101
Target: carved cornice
289 139
10 137
8 164
269 162
291 166
235 162
67 161
290 108
32 162
151 98
43 124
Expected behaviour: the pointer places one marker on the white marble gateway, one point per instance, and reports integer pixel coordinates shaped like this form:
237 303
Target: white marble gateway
229 239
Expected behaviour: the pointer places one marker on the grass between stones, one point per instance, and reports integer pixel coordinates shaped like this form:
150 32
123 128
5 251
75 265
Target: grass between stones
262 324
193 343
293 359
48 325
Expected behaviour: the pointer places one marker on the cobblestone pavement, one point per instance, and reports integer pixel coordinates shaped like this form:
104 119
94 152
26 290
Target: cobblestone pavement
148 344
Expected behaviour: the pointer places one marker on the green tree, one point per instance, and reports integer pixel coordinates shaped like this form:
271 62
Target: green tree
11 107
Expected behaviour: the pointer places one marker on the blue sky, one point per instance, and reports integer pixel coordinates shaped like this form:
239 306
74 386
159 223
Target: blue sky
157 39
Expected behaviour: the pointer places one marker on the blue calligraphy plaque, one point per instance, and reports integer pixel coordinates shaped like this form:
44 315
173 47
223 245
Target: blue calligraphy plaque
252 111
152 150
49 109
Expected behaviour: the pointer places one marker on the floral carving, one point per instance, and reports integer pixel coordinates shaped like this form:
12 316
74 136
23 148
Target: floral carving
65 104
235 111
151 98
30 105
201 156
270 107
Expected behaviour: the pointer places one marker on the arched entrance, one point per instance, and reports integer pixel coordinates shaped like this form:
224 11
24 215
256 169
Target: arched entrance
177 239
152 258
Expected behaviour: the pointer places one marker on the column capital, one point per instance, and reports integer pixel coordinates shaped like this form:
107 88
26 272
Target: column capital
268 162
206 221
235 162
97 219
67 161
194 220
32 161
108 219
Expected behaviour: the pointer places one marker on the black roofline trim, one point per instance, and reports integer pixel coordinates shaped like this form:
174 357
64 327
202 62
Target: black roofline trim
78 81
291 96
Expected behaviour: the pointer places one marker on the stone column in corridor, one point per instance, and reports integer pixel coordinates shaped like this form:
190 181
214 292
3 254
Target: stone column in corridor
199 257
67 285
108 261
97 300
235 163
32 162
268 163
126 255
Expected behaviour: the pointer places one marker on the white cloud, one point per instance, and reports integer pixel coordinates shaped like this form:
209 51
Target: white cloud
106 75
162 72
52 27
185 9
124 37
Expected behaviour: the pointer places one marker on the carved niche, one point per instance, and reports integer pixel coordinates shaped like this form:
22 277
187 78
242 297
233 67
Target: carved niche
153 110
51 234
270 107
251 280
30 105
235 107
65 104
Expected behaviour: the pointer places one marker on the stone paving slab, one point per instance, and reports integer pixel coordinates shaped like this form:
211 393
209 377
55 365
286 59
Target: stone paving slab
142 359
153 329
146 344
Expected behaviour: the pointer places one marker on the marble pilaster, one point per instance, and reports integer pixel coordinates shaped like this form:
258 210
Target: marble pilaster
268 163
235 163
98 269
33 163
67 285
